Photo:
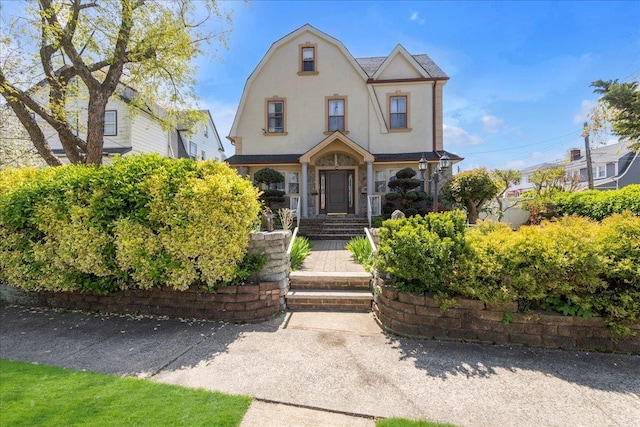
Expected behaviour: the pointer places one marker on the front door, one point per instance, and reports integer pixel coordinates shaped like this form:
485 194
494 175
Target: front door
337 188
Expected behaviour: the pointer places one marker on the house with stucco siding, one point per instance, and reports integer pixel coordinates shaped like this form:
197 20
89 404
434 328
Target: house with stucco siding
338 127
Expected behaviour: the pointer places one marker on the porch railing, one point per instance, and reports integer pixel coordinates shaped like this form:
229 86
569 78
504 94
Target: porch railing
374 207
294 205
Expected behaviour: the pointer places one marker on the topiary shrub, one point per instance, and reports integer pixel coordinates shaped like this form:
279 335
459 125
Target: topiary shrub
268 177
405 197
141 222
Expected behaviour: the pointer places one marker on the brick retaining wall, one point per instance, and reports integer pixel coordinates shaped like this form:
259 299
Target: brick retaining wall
245 303
418 315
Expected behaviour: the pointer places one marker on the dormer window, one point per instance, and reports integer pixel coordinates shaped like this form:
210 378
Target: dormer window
308 60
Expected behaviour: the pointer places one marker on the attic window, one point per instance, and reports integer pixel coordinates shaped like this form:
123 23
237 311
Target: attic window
308 60
206 131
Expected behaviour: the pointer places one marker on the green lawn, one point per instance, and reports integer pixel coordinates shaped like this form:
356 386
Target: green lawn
402 422
36 395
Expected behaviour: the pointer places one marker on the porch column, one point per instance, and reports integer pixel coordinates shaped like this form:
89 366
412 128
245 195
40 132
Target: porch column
303 192
369 178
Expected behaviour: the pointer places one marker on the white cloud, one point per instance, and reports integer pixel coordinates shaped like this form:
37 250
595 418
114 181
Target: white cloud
491 124
585 107
458 137
516 164
415 17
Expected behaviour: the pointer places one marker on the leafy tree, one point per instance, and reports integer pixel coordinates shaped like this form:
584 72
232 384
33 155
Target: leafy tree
618 106
268 177
503 179
550 180
470 190
16 149
405 197
86 48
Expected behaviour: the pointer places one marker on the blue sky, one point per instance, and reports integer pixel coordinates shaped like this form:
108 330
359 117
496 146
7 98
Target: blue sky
519 71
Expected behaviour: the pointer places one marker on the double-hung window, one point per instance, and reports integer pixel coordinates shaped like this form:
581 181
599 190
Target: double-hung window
294 187
308 59
110 123
601 172
398 112
275 116
336 115
193 150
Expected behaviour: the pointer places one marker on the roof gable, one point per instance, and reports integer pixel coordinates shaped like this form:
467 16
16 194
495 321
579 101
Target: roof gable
337 141
400 65
299 33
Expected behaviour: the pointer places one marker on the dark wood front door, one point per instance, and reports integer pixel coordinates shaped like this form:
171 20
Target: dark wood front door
338 191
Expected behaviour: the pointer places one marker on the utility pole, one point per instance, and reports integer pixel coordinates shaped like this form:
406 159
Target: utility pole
587 153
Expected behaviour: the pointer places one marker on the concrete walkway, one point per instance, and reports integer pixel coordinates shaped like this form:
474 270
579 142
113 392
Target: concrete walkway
314 368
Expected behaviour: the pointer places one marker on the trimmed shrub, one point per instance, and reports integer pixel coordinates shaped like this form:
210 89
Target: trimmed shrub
573 265
143 221
596 204
422 252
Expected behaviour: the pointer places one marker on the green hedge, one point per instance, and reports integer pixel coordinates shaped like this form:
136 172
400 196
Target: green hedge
574 265
422 252
597 204
142 221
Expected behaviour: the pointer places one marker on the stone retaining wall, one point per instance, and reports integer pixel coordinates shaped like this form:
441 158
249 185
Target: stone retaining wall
245 303
418 315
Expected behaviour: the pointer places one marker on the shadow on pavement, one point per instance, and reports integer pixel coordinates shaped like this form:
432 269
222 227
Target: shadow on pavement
438 359
111 343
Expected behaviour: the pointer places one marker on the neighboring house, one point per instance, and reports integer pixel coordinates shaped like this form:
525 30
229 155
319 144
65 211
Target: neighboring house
525 184
338 127
142 132
613 166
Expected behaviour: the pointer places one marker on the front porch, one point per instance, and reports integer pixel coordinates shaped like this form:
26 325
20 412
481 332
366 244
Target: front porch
337 176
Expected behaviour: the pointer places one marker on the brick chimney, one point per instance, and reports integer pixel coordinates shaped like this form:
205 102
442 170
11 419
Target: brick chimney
575 154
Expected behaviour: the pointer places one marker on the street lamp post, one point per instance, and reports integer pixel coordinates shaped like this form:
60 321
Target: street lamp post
443 165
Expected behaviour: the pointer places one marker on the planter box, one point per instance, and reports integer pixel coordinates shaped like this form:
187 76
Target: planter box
417 315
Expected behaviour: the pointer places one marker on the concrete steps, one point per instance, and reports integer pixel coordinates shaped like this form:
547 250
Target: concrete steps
339 291
332 228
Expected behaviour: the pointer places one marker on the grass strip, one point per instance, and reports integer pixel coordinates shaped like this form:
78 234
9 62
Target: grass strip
38 395
403 422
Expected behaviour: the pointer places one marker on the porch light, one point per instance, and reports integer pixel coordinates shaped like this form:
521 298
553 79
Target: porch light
443 165
445 161
422 167
422 164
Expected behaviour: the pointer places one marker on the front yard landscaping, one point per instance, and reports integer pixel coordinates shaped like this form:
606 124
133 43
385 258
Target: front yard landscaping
36 395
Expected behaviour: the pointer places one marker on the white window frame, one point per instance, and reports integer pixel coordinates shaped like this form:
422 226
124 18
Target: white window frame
601 172
111 123
193 150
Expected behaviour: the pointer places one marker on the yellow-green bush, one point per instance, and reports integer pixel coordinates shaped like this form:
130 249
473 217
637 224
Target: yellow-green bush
573 265
598 204
143 221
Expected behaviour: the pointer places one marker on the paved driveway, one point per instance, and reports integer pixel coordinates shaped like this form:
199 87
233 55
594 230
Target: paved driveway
340 362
